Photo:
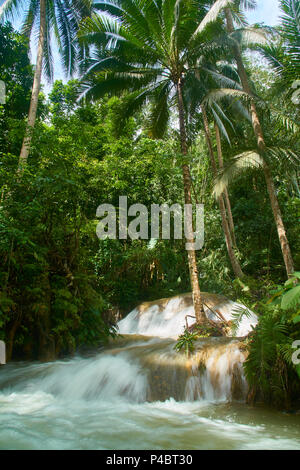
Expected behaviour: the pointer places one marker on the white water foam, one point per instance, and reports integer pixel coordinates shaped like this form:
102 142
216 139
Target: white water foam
100 402
170 320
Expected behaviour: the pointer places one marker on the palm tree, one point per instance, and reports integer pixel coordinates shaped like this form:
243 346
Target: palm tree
198 87
227 225
144 47
225 194
261 145
283 54
50 16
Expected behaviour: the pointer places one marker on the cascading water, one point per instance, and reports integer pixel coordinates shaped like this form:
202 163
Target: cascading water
139 393
166 317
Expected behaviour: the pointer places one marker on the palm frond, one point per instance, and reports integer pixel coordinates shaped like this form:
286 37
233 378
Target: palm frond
47 52
30 18
246 37
246 4
112 7
236 166
169 10
284 121
219 122
238 109
212 15
223 81
238 313
291 24
10 8
160 114
274 54
285 157
225 93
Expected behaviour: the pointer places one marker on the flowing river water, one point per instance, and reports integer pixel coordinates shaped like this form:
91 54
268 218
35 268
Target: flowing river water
139 393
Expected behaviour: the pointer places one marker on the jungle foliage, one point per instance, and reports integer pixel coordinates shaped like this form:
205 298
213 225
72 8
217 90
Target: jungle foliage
60 286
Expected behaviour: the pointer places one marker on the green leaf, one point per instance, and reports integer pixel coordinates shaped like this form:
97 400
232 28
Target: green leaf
290 282
291 298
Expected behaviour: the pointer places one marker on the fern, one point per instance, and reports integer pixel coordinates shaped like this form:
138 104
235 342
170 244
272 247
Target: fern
238 313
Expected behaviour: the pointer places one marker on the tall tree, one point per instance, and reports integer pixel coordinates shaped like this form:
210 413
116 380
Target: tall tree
50 16
226 195
201 83
145 48
225 222
261 146
17 74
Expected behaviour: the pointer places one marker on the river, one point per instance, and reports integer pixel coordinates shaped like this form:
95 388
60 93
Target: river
139 393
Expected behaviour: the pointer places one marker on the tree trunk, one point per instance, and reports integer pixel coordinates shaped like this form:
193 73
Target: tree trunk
35 91
233 259
287 256
187 184
285 248
226 195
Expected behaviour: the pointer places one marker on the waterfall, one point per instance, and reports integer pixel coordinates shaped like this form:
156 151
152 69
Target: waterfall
214 372
139 393
167 317
142 365
138 369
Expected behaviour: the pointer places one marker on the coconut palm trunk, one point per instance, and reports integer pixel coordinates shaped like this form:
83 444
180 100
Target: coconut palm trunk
226 195
229 244
187 183
35 91
257 128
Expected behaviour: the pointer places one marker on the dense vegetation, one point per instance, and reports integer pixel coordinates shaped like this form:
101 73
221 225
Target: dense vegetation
60 286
